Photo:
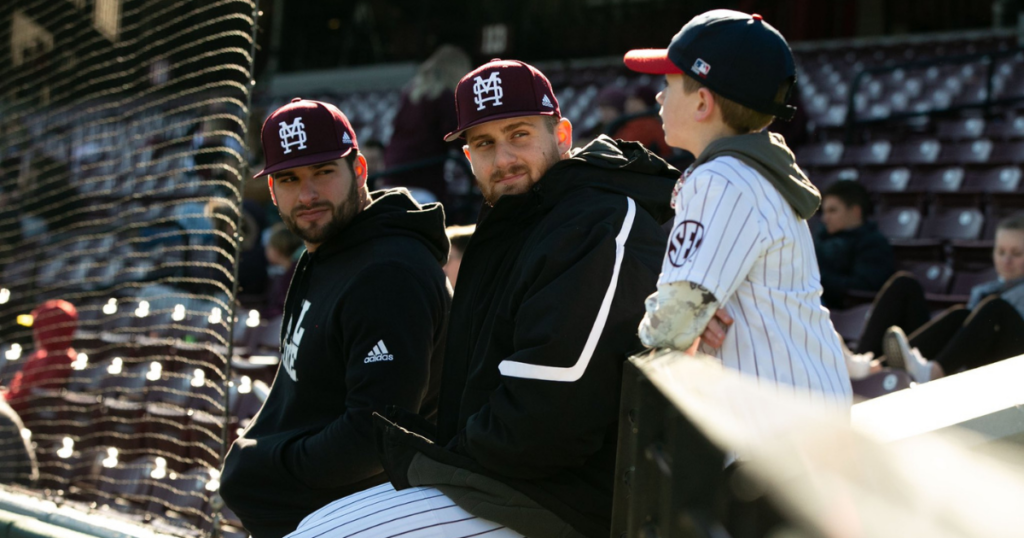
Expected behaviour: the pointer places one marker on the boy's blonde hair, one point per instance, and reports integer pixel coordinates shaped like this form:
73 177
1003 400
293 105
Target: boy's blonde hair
737 117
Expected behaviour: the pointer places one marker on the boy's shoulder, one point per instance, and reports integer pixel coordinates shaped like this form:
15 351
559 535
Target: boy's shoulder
726 167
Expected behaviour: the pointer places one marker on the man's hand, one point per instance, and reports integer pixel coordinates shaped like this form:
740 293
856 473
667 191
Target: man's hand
714 334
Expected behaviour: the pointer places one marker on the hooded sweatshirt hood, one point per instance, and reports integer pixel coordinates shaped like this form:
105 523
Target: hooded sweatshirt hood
634 171
393 212
767 153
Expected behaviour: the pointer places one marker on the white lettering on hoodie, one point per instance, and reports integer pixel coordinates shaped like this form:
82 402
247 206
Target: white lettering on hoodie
292 342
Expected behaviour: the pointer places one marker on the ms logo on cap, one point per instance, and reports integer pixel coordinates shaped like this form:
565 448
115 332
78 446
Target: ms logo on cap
292 135
482 87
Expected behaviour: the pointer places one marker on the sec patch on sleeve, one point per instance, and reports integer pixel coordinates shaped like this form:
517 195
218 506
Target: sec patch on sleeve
686 239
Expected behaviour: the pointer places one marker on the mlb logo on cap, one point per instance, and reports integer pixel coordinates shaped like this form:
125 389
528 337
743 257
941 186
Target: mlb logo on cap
701 67
502 89
304 133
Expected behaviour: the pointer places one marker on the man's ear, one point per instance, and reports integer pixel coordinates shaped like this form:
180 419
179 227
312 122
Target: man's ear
270 185
563 135
465 151
360 170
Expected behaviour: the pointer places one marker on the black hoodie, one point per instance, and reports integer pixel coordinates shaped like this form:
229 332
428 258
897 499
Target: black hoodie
363 327
551 291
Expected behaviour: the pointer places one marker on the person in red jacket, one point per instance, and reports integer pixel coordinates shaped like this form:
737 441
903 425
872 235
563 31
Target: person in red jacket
54 324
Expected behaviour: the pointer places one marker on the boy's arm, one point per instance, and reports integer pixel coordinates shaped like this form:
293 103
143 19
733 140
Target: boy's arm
676 315
716 239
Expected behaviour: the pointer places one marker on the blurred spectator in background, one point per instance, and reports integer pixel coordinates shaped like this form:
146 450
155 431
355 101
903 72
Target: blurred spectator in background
459 236
641 122
852 253
373 150
283 251
425 115
252 268
989 329
53 326
611 102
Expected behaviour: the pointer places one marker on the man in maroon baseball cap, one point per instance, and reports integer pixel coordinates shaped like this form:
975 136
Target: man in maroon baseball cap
551 288
362 325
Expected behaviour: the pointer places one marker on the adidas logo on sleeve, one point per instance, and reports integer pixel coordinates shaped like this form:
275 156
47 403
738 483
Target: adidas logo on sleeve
378 353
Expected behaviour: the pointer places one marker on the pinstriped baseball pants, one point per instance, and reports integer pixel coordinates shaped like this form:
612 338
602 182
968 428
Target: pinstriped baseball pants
382 512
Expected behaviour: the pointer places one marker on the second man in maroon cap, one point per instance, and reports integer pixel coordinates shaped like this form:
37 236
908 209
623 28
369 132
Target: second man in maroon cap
551 289
363 324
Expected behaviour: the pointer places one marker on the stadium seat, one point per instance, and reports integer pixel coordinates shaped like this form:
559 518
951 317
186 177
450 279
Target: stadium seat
886 180
880 384
1002 206
934 277
941 180
1008 153
967 152
823 154
1008 129
873 153
126 485
960 129
899 222
964 224
824 178
182 497
964 281
1001 179
917 152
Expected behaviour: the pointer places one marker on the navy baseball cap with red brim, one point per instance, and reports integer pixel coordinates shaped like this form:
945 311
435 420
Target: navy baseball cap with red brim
304 133
738 56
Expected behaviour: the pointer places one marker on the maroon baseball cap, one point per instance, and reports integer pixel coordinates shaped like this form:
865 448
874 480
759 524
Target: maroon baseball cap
303 133
502 89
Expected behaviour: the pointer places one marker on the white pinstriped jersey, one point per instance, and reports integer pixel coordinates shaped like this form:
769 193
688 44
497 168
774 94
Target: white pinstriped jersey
736 236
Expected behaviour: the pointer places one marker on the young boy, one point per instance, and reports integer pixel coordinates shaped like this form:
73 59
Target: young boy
740 248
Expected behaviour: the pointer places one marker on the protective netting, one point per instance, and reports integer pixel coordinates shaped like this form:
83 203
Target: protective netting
122 136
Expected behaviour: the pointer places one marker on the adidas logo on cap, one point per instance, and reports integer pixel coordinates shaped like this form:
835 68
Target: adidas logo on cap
346 139
546 102
378 353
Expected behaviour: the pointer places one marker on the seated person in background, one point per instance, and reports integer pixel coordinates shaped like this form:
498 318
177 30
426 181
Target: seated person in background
988 330
852 253
459 236
54 324
644 129
283 251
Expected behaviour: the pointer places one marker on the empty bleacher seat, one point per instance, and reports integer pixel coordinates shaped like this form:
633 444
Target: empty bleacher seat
960 129
934 277
941 180
968 152
964 224
872 153
886 180
823 154
899 222
1008 153
1000 179
1008 129
916 152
